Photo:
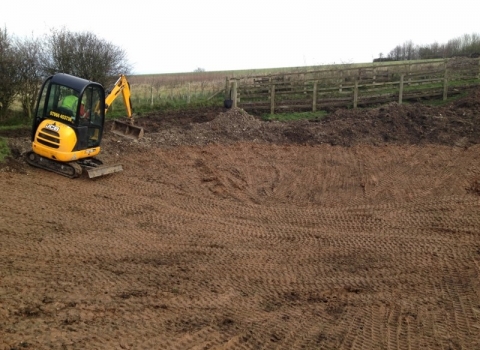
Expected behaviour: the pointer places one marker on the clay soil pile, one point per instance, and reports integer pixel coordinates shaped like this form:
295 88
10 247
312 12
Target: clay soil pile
357 231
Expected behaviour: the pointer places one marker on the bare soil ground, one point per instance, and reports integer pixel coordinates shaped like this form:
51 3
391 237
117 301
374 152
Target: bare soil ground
360 231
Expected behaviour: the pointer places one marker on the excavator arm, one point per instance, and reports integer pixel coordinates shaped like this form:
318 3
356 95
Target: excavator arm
120 128
121 86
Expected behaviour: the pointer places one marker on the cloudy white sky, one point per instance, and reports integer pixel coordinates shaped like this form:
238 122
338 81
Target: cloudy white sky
180 35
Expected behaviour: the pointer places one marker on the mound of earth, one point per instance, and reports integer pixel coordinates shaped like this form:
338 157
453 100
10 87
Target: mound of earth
454 124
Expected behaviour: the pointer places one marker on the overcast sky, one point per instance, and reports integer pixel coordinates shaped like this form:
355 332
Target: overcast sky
180 36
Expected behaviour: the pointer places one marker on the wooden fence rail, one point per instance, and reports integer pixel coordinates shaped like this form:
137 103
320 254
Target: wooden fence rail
354 86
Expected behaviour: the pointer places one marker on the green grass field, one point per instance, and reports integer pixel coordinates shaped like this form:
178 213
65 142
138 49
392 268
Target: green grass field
4 150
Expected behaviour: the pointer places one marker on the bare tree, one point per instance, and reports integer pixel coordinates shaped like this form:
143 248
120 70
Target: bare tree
470 44
407 51
466 45
84 55
9 77
436 50
396 53
453 47
475 47
29 53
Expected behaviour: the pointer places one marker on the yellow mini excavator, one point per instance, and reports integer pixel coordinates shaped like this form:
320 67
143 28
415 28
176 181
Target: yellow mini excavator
69 123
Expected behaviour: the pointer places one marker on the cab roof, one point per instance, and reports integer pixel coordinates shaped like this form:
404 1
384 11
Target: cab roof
73 82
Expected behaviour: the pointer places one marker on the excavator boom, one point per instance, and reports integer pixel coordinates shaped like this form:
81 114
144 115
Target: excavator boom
121 128
121 86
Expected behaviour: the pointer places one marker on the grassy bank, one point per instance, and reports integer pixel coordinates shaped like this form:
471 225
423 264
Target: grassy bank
4 150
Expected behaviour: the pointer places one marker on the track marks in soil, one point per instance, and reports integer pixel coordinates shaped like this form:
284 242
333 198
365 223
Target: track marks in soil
247 246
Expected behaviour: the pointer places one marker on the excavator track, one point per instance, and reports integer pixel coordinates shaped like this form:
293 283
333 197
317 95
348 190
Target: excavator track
71 169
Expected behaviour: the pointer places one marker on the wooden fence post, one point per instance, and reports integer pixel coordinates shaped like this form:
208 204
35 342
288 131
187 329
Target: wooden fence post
341 81
272 99
355 93
314 102
409 74
227 88
151 95
400 89
234 93
445 85
478 62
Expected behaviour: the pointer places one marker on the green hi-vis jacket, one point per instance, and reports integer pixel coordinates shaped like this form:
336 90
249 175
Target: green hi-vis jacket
70 102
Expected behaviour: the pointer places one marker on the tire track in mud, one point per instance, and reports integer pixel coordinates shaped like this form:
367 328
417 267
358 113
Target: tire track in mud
248 246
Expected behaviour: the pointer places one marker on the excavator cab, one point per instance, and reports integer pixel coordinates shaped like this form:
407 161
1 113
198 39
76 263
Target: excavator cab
76 105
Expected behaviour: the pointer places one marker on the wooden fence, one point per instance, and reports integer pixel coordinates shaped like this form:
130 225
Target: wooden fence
350 86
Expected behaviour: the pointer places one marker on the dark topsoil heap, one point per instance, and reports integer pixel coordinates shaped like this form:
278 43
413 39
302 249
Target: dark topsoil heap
455 124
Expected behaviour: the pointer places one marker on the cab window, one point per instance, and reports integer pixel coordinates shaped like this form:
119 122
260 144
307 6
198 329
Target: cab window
91 107
63 103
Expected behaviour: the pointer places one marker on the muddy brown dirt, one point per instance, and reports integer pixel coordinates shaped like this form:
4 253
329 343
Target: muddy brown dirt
360 231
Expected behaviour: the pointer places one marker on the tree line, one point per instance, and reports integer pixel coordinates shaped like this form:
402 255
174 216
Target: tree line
26 62
467 45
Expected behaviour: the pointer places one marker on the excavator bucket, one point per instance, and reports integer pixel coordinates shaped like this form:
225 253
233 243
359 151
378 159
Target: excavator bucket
103 170
127 130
